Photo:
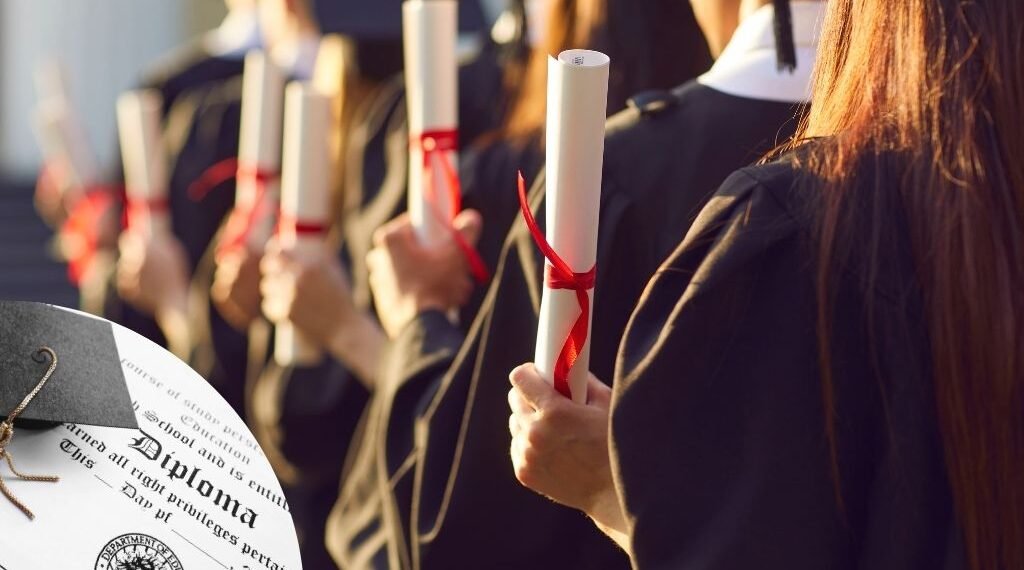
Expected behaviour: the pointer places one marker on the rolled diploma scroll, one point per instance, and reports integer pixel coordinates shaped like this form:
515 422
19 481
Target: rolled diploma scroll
305 197
51 78
259 145
577 102
63 142
430 30
329 79
145 162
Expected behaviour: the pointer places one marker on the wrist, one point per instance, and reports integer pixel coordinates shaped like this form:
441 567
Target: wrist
173 322
357 342
426 304
606 510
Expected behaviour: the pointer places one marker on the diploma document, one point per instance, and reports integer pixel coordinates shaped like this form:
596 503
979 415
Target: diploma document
188 490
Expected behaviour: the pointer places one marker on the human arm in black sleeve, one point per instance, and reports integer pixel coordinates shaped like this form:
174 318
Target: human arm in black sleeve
719 445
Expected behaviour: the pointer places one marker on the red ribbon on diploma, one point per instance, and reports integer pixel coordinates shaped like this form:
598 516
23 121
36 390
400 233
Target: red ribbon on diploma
241 221
300 227
136 210
81 230
560 276
437 145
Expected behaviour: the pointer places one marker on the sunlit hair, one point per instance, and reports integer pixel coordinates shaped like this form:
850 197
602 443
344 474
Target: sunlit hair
366 69
939 85
653 44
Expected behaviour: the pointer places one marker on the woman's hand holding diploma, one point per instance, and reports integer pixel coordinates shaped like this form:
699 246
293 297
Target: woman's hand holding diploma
408 277
153 276
236 287
560 448
312 292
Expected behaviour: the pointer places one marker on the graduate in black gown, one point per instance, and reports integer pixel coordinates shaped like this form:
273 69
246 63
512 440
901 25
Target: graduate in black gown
826 373
434 494
191 72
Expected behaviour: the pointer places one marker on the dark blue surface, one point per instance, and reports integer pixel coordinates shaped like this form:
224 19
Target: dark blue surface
28 272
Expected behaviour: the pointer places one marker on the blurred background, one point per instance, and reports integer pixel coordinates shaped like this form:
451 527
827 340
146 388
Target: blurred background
103 46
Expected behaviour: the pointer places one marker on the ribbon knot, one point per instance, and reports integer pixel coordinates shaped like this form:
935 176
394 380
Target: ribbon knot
556 279
558 275
7 434
435 146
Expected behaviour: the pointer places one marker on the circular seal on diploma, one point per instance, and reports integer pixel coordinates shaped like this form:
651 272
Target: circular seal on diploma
137 552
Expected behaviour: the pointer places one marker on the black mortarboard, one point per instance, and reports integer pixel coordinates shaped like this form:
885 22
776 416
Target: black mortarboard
381 19
87 387
785 49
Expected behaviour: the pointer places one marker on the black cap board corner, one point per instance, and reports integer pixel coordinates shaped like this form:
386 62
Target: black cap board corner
88 385
381 19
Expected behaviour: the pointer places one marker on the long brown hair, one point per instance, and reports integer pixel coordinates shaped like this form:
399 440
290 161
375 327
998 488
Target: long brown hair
940 85
653 44
353 71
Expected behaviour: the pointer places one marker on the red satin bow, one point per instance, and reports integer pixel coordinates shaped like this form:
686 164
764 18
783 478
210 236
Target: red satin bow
241 221
437 144
559 275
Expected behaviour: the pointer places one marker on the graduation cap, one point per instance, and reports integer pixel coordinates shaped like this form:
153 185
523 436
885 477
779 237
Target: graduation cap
87 387
381 19
785 48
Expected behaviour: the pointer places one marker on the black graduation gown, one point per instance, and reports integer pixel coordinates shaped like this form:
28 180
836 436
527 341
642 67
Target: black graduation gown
304 416
201 130
187 68
376 174
438 490
718 427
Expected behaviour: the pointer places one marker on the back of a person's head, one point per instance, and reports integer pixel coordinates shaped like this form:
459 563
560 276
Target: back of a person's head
653 44
939 85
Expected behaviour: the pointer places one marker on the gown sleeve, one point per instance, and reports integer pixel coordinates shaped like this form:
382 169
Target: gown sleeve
719 450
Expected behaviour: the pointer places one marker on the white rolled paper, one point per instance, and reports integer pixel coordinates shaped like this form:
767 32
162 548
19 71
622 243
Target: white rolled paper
51 78
329 79
139 121
259 145
63 142
305 197
430 31
577 107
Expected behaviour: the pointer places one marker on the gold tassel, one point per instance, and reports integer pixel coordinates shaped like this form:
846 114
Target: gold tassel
7 434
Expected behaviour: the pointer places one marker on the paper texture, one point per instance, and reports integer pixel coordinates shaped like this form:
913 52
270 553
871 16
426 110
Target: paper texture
577 107
430 31
64 143
145 162
305 197
188 490
259 144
